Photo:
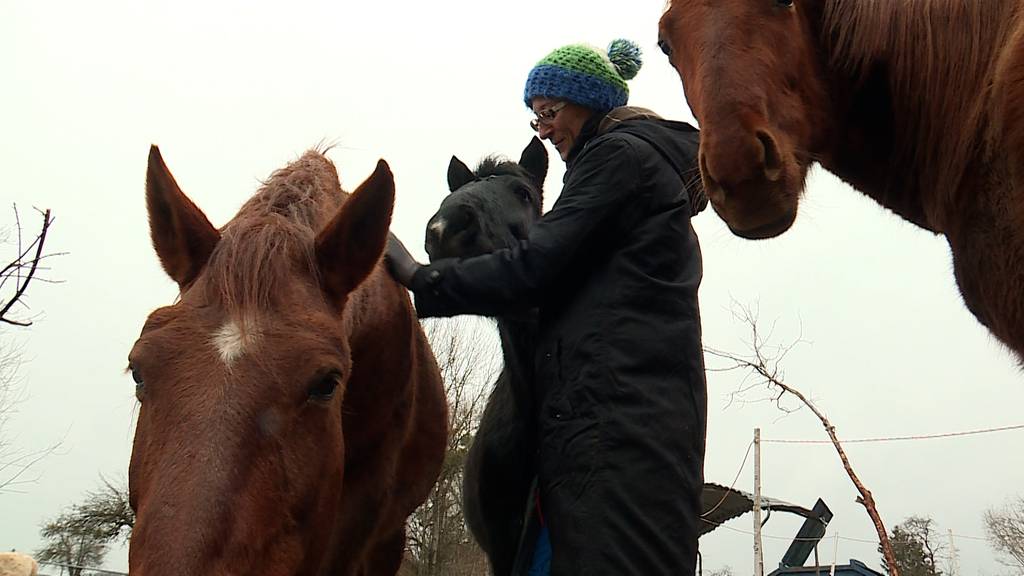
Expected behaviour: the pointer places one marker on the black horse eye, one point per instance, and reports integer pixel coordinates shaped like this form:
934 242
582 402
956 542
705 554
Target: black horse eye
785 3
665 47
324 386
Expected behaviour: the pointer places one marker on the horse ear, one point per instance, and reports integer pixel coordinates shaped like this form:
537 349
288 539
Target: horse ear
349 247
458 174
182 235
535 161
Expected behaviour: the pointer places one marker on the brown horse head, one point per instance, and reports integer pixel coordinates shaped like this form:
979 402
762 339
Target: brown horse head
752 74
919 105
239 456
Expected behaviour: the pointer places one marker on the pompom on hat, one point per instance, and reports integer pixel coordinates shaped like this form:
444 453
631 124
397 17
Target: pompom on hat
584 75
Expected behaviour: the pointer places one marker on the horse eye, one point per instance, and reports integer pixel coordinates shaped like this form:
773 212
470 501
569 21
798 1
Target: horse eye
785 3
324 386
139 382
666 48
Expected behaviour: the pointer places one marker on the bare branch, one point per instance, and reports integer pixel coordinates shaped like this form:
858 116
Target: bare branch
24 267
15 467
763 364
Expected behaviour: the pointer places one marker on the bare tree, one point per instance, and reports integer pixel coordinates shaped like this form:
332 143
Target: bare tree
916 547
1005 528
723 571
79 537
71 544
438 541
105 512
25 266
763 363
12 464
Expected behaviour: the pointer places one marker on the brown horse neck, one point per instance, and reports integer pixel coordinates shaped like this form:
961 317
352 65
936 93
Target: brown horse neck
919 112
861 149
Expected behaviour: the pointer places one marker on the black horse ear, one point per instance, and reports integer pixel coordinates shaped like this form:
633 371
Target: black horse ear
535 161
458 174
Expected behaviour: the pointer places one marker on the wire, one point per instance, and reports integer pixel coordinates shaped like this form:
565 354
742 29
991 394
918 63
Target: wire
899 438
788 538
979 538
843 538
731 486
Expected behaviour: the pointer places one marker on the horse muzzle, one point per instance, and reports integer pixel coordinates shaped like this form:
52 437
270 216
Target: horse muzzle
752 183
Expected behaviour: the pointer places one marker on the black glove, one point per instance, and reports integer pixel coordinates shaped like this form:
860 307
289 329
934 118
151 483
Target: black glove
399 261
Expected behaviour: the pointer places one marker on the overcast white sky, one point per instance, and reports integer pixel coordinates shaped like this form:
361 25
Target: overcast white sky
233 90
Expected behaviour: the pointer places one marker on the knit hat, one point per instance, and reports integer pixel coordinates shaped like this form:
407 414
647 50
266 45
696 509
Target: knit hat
584 75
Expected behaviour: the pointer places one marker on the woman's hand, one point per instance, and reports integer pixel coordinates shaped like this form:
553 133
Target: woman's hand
399 261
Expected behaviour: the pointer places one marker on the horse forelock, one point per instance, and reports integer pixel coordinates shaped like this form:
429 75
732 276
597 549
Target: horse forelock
273 236
499 166
940 57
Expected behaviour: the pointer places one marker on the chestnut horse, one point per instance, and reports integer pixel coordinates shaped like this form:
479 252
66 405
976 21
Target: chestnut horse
292 414
919 105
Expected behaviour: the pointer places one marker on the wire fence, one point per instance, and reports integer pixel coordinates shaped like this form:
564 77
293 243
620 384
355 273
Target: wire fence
897 438
60 569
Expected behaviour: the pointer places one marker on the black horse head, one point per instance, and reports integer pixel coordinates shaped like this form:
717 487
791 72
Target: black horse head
490 208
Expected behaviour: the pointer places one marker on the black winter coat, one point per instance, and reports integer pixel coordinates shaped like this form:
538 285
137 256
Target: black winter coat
614 269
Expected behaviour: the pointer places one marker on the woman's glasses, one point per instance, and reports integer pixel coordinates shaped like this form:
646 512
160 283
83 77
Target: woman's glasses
546 116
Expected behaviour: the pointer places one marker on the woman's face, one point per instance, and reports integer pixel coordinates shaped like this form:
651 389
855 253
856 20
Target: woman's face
560 122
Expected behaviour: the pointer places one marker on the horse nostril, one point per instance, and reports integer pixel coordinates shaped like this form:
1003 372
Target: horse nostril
773 163
714 191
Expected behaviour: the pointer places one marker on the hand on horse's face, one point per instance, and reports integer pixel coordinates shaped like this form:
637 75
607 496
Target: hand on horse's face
399 261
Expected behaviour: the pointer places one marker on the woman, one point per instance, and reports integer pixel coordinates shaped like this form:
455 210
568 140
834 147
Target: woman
614 268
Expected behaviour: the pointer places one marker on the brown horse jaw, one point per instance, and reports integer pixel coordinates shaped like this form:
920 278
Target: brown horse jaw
765 231
754 222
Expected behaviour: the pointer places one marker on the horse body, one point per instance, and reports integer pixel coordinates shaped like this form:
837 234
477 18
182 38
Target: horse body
292 412
919 105
489 209
17 564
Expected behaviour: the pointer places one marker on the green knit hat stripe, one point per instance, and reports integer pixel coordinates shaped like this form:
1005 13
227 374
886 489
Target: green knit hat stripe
583 59
585 75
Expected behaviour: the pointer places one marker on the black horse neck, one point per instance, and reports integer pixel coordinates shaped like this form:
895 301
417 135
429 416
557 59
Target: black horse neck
519 342
518 345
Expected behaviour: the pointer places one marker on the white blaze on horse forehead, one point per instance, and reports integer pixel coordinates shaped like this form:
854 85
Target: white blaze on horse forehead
232 339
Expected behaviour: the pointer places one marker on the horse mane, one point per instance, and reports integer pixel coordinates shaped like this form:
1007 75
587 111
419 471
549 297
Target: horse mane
940 58
274 231
495 165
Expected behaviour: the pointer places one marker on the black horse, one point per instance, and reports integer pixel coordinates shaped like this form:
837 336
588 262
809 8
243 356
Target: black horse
489 209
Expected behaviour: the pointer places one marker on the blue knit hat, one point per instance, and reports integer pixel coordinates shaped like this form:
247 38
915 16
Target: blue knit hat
583 75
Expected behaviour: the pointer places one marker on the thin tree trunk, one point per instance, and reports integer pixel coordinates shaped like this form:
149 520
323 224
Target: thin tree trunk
865 498
760 365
